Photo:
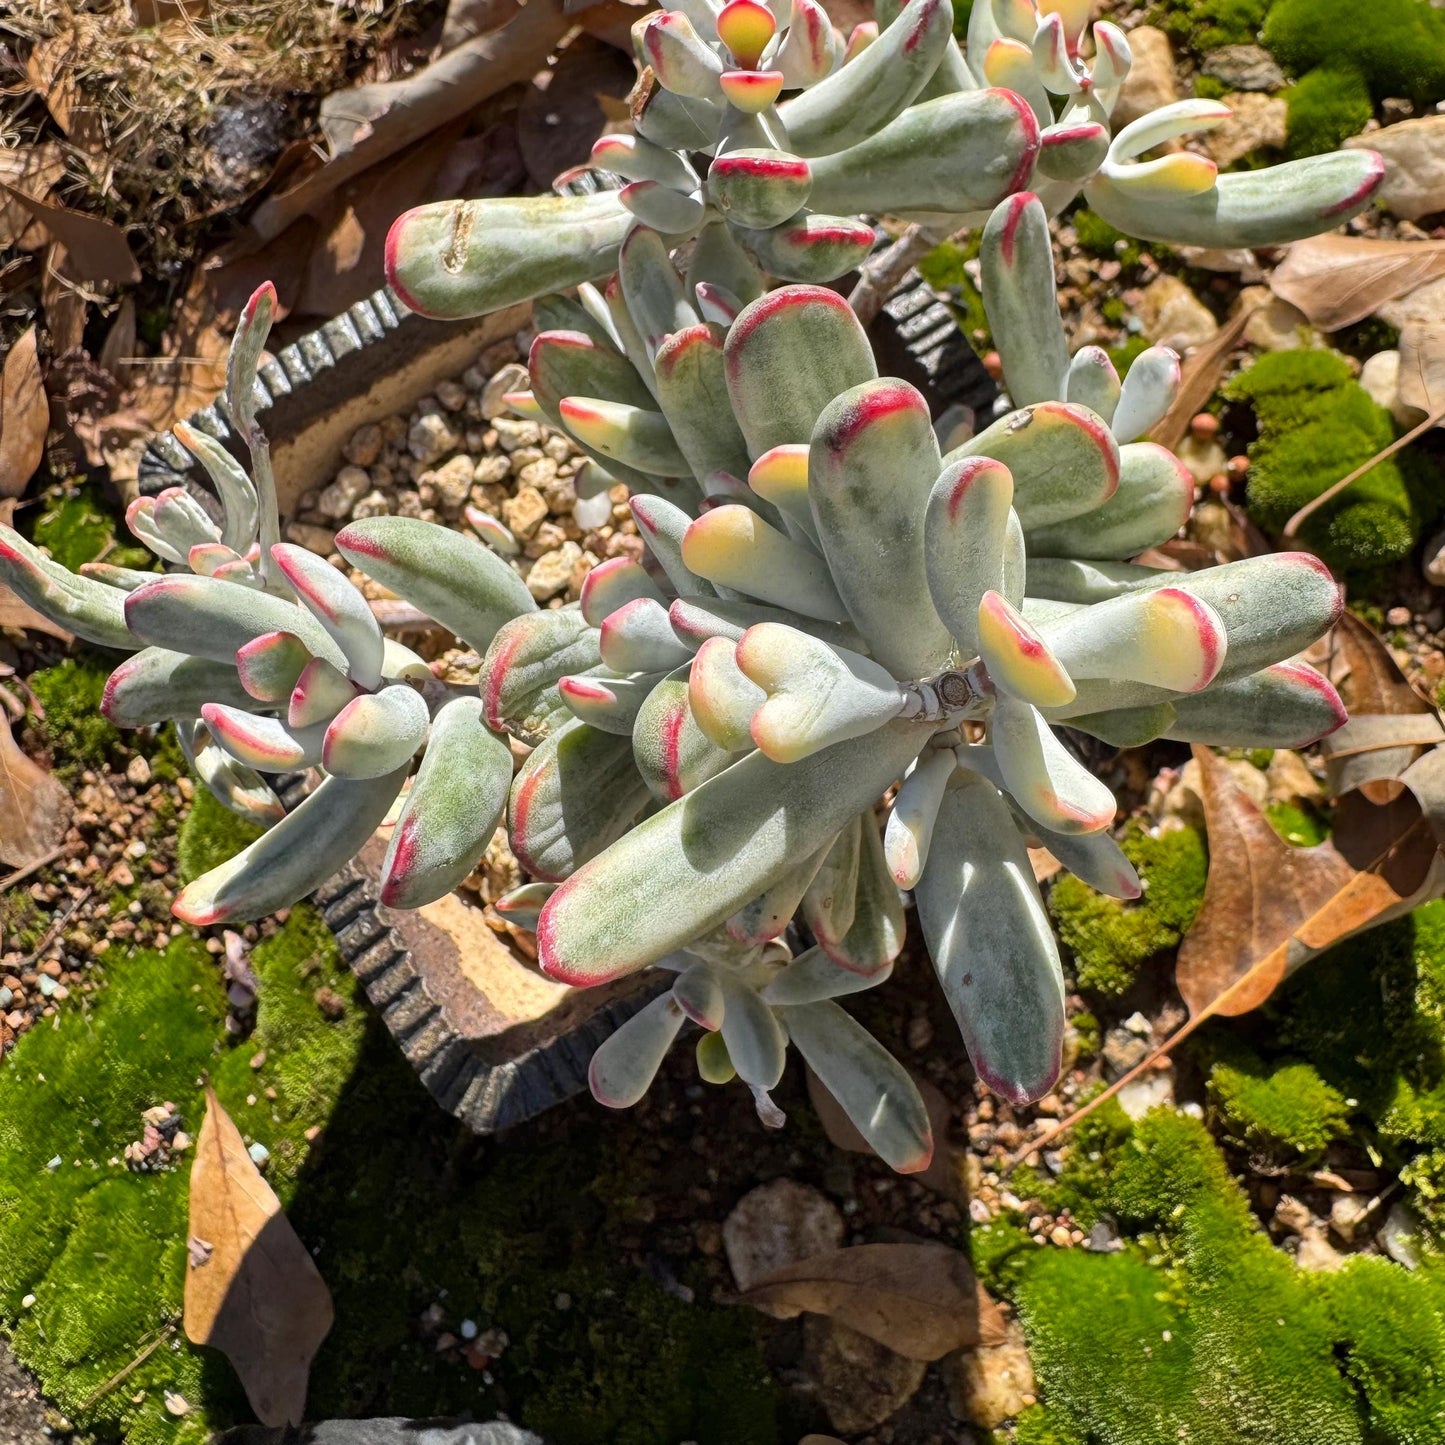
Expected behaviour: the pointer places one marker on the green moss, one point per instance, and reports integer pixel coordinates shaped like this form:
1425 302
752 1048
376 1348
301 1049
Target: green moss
1096 236
77 524
1326 107
1111 940
70 692
1204 25
1280 1106
945 269
1398 46
962 11
1297 823
1124 356
1209 87
210 835
1040 1425
1316 423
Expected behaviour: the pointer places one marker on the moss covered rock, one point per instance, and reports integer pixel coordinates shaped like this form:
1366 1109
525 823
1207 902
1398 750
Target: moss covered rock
1200 26
1111 940
1326 107
1316 424
1398 46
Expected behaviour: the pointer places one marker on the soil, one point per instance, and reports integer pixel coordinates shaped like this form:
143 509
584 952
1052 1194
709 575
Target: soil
25 1419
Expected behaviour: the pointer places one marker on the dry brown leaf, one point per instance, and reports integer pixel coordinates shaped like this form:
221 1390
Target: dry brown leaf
118 347
1422 366
252 1289
1269 907
1202 374
63 303
97 249
34 809
467 19
31 170
52 69
920 1300
15 613
24 416
558 121
1338 280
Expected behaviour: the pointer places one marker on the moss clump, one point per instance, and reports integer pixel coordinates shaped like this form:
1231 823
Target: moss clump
77 525
1204 25
962 11
1110 939
1040 1425
1096 236
1296 823
70 692
210 835
945 269
1125 356
1398 46
1278 1107
1326 107
1316 423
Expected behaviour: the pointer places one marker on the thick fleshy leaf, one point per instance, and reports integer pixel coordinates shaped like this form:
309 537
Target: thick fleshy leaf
656 300
733 547
972 544
1126 727
722 696
692 391
207 558
1021 299
780 477
812 976
816 695
663 527
466 258
1095 858
806 56
872 1087
677 122
337 606
521 905
678 57
768 915
253 326
376 733
1166 637
635 437
1153 500
234 487
755 1040
123 579
875 936
608 703
636 159
1018 660
959 153
211 618
1042 776
626 1063
673 754
788 355
992 944
1247 208
236 787
829 900
155 684
577 793
456 801
809 248
1147 393
263 743
684 870
698 618
1286 705
1063 459
759 188
321 691
859 99
660 207
909 832
572 363
1072 150
699 994
295 857
89 609
446 574
1063 579
612 583
872 462
181 519
638 637
1094 383
719 262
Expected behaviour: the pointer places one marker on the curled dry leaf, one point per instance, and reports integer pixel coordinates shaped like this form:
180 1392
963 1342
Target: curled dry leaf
1338 280
34 809
252 1290
24 416
1422 367
97 249
920 1300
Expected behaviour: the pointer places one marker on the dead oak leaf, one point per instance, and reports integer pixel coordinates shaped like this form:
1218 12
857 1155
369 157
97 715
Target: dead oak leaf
1338 280
97 248
34 809
255 1294
24 416
920 1300
1422 366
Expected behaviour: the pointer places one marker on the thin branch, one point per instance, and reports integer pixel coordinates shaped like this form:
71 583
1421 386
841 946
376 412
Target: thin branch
1291 528
879 275
21 874
121 1375
53 932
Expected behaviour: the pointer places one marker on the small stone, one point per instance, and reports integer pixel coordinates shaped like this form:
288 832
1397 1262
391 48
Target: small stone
776 1224
1274 324
453 482
27 1302
373 504
1153 1088
525 512
467 1329
1288 779
1399 617
512 377
1380 376
1244 67
540 473
491 470
1347 1213
138 772
1150 82
430 438
1170 314
321 540
350 486
259 1154
364 446
1256 122
1061 1236
860 1382
1414 153
992 1383
1293 1214
552 572
331 1003
513 434
1399 1236
1122 1051
452 395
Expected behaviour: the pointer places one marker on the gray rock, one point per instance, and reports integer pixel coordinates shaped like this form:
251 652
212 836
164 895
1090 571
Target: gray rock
1151 81
399 1431
430 437
776 1224
1414 153
1244 67
512 377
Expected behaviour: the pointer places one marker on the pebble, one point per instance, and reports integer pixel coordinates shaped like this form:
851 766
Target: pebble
1414 153
351 485
259 1154
430 437
1244 67
364 445
553 571
320 540
138 772
1151 81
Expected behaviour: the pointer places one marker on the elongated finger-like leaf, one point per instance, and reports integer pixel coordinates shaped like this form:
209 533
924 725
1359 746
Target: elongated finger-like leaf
992 944
759 188
1286 705
872 462
805 57
960 153
1018 659
447 575
733 547
1063 459
577 793
88 608
1043 777
719 262
692 391
522 667
663 526
608 703
1094 383
1064 579
263 743
1247 208
520 906
909 832
124 579
768 915
234 487
155 684
1153 500
573 363
678 122
699 994
780 477
1021 300
338 607
638 637
788 355
830 898
1072 150
661 208
722 696
673 754
635 158
1095 858
466 258
678 56
698 618
299 854
626 1063
613 582
812 976
875 936
376 733
321 691
872 1087
755 1040
211 618
809 247
972 544
656 300
860 99
1147 393
444 828
636 438
1126 727
236 787
816 695
684 870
